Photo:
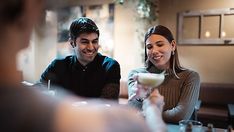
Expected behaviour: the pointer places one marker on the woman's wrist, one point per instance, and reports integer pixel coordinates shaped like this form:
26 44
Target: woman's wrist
136 97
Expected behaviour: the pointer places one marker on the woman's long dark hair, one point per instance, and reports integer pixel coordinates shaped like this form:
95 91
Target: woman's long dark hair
175 66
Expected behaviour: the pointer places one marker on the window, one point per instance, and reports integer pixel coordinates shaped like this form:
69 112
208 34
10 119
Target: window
206 27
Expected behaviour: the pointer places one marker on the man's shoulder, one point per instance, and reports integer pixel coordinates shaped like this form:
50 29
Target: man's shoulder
106 60
61 61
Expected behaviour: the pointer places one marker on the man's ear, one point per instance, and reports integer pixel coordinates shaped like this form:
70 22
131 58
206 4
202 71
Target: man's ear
73 44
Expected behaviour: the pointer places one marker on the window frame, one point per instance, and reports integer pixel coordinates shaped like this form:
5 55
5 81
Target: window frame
201 14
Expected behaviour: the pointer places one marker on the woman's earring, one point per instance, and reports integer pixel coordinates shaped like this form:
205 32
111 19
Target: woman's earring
173 52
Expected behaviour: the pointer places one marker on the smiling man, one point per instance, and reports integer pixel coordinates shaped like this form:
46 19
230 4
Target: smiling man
87 73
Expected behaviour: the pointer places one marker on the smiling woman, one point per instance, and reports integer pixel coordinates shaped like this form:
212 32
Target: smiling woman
180 87
25 109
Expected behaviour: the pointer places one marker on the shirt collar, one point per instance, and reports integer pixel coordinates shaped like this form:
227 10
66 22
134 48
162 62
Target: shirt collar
76 64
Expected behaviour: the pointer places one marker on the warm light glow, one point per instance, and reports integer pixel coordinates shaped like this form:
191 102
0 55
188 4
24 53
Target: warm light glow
223 34
207 34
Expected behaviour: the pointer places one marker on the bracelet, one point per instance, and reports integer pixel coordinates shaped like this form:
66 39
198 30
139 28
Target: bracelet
140 99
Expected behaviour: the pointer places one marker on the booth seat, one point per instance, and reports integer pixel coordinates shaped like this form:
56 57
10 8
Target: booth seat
123 95
215 98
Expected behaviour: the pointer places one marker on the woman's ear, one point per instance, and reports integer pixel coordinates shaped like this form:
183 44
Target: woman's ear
173 44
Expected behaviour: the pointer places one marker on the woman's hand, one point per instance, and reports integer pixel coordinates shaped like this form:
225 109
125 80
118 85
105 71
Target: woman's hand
142 91
157 99
152 111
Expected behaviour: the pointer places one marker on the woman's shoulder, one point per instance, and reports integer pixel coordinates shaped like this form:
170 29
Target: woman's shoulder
139 70
133 72
189 73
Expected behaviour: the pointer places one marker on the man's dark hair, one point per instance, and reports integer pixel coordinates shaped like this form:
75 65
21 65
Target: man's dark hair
82 25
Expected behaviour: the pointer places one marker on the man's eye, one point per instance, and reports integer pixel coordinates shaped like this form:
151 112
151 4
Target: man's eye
84 42
95 42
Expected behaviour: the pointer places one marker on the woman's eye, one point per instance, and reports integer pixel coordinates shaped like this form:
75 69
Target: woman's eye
160 45
149 47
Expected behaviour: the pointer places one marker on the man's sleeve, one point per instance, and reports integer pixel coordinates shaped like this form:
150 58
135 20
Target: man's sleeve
112 85
49 73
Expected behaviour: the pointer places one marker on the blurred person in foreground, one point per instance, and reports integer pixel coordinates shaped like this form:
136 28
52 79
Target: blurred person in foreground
24 109
180 87
21 109
87 73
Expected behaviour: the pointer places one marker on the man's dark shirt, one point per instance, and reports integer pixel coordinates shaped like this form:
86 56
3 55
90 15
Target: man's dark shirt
86 81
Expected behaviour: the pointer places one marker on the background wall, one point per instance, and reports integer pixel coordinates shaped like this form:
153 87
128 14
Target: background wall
42 50
128 49
214 63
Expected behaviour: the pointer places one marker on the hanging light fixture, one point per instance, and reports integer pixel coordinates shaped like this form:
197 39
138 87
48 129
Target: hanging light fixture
120 1
143 9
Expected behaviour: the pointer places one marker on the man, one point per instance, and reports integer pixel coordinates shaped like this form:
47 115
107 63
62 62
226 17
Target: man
25 109
87 73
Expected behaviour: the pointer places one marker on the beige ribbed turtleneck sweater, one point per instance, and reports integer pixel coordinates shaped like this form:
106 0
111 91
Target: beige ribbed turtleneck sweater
180 95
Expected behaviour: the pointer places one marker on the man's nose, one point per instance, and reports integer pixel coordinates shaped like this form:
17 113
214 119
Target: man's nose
90 46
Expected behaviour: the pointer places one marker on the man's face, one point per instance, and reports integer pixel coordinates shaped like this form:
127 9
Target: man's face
86 47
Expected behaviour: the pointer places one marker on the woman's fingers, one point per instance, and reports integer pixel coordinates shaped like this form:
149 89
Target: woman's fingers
157 99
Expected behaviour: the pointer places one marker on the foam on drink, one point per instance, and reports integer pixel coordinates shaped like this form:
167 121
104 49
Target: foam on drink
150 79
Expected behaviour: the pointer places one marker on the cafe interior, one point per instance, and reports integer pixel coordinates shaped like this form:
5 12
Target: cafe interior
203 29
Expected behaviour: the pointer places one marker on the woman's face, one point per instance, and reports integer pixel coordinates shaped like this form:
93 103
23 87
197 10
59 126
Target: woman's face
159 51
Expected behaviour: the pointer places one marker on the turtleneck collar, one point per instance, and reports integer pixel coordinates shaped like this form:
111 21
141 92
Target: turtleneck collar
153 69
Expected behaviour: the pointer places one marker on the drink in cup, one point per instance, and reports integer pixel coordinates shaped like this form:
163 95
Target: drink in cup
150 79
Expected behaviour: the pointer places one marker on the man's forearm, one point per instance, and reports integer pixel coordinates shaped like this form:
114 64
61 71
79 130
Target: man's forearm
110 91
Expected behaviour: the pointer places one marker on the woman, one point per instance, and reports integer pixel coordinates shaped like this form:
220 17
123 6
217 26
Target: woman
180 87
25 109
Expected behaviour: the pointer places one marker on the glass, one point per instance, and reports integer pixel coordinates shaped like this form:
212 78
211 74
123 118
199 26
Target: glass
196 125
151 80
49 91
